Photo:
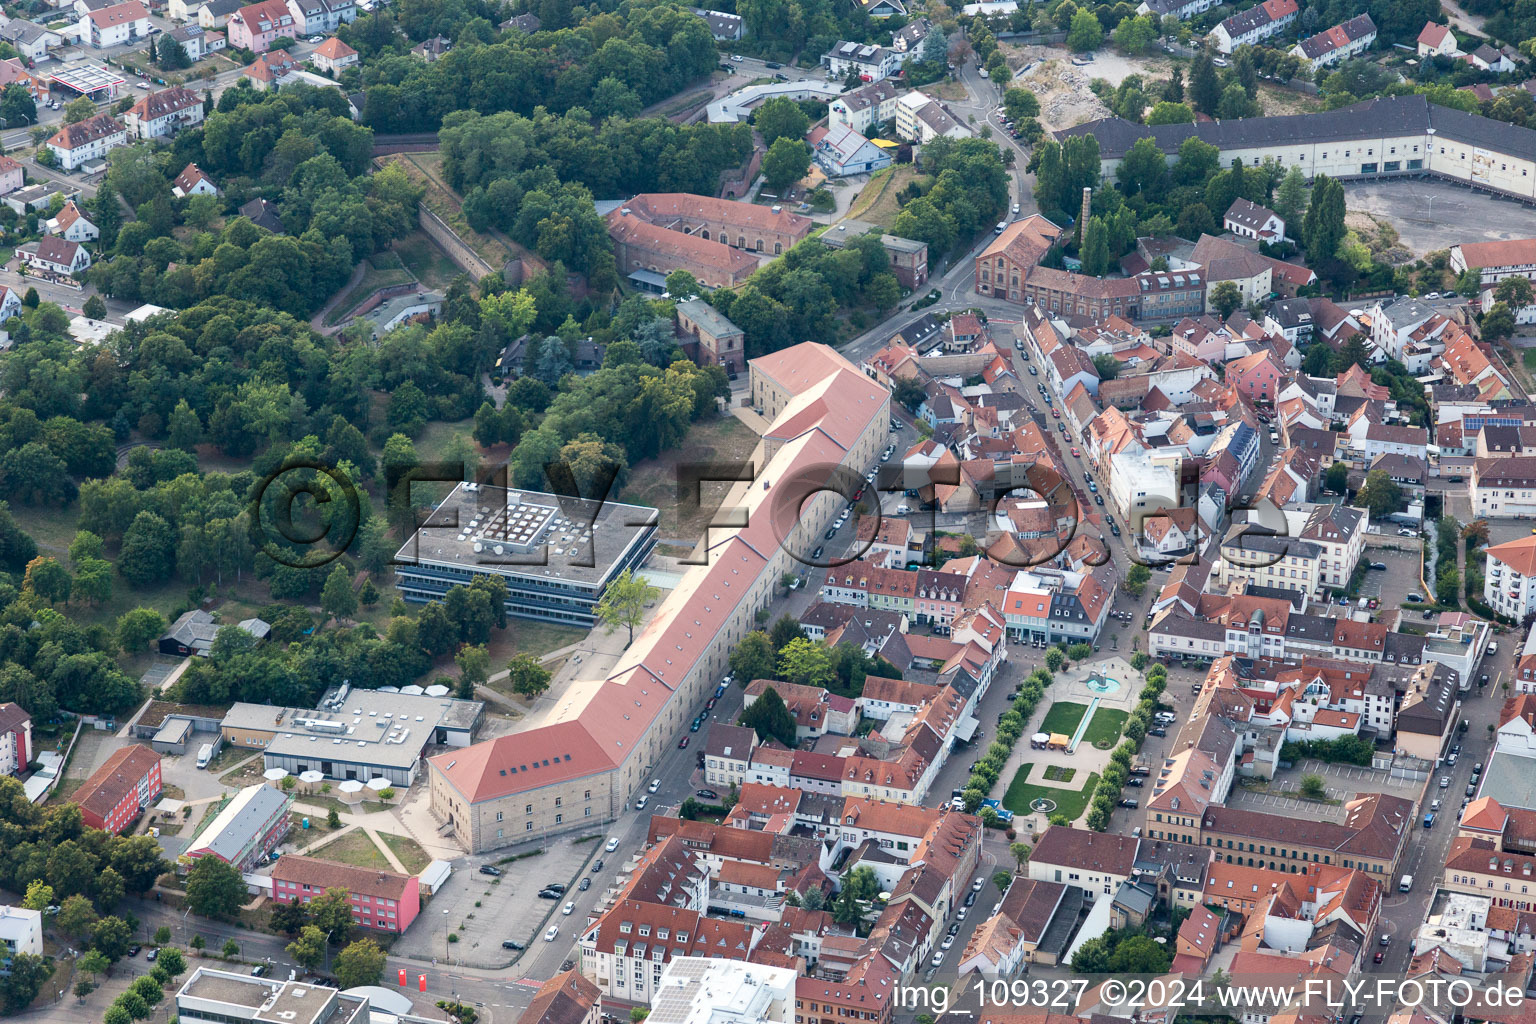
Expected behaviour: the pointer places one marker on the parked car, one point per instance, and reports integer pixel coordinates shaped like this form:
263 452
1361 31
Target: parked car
613 844
509 944
489 869
682 744
707 794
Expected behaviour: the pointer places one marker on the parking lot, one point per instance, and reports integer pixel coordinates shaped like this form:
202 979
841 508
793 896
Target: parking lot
483 910
1341 782
1393 585
1430 215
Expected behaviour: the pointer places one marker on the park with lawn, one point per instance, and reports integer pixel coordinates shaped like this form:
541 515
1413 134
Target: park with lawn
1085 719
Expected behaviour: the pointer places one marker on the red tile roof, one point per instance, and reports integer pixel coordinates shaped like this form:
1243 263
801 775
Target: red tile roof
115 779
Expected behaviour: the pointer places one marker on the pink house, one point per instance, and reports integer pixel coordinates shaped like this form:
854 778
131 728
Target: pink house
1257 375
381 900
255 27
940 597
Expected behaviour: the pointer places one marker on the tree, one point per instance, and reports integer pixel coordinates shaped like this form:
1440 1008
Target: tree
1168 112
1136 579
1107 366
76 917
1204 86
1291 198
361 963
138 628
1380 494
474 663
1085 33
770 718
1336 478
1055 658
78 109
170 55
1002 879
332 819
1514 292
785 163
1322 230
624 601
39 895
1139 954
337 598
860 887
1020 103
112 937
753 658
308 950
1021 852
17 105
231 949
528 677
1312 786
1498 322
1234 103
780 118
1135 35
198 942
148 553
29 972
172 962
806 662
93 962
1143 170
1225 298
214 888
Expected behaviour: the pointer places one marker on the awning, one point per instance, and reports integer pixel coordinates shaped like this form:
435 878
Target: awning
967 728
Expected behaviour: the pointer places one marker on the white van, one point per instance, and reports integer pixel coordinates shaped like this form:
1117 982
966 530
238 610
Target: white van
1406 885
205 755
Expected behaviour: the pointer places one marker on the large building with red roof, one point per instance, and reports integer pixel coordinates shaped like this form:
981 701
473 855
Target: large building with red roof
718 241
579 767
384 901
117 792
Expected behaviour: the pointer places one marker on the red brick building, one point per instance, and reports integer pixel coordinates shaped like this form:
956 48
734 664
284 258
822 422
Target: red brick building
381 900
119 791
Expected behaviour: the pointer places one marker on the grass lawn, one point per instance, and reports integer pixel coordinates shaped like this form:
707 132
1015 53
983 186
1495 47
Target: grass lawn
1059 773
654 481
354 848
1528 356
408 851
1063 718
1104 731
426 262
1070 802
877 203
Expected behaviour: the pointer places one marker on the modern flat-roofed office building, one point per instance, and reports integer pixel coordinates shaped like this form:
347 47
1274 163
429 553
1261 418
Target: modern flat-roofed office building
212 996
354 733
555 554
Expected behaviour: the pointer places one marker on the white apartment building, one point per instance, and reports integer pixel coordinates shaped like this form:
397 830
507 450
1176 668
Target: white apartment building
1504 487
1515 257
1143 481
1509 581
709 990
87 140
1338 531
21 931
164 113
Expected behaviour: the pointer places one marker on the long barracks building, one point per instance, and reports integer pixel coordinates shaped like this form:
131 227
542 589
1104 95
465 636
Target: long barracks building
1377 138
600 744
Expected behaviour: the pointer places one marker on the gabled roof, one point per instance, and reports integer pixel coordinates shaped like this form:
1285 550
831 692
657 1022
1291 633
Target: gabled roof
92 129
115 779
334 49
118 14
